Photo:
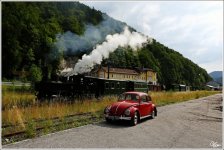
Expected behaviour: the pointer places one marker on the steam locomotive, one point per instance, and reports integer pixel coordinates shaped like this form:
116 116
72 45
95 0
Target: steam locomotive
80 86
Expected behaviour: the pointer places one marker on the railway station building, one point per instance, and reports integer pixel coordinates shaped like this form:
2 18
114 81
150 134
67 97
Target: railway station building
137 74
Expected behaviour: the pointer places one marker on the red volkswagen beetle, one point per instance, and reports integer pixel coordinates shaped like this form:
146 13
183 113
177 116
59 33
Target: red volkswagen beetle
132 106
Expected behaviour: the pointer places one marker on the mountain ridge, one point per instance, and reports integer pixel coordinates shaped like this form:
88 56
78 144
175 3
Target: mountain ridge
217 76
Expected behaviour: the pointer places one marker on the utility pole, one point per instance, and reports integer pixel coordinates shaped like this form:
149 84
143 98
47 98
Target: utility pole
108 69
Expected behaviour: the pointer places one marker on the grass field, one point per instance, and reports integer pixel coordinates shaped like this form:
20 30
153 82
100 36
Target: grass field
46 110
22 112
21 106
165 98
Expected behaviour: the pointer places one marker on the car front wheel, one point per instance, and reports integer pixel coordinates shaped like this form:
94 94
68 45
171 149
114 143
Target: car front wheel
134 120
108 120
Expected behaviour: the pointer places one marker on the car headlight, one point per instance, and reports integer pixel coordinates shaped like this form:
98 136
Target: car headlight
107 110
127 112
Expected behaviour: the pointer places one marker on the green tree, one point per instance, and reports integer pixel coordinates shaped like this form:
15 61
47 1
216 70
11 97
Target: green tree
30 28
35 73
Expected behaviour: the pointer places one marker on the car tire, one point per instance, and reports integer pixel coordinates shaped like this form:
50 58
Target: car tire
108 120
153 114
155 111
134 120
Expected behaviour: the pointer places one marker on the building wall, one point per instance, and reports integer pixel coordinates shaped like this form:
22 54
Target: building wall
147 76
112 75
152 77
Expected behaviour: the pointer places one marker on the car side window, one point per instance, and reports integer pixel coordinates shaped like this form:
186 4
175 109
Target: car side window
149 99
134 97
128 97
144 99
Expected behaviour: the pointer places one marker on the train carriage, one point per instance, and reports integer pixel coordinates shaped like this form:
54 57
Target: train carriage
80 86
140 86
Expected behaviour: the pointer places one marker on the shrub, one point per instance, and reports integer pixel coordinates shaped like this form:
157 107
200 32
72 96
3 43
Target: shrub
31 129
35 73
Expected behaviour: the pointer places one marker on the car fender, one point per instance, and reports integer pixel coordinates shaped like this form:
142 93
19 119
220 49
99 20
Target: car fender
154 108
133 110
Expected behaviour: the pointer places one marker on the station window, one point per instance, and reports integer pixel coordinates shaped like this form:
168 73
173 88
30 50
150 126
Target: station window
112 85
118 84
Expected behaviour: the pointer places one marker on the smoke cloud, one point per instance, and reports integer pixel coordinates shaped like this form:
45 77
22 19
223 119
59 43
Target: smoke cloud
71 43
112 42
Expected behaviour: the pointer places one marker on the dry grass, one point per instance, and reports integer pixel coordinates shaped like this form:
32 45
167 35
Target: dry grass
164 98
16 115
21 107
12 99
13 96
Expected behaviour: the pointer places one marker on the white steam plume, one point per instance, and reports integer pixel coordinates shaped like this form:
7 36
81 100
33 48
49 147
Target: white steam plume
124 39
72 43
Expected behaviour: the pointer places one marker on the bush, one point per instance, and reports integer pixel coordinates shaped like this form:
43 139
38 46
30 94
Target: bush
35 73
31 129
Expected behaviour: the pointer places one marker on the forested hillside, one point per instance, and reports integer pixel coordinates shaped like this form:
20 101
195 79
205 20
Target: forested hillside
170 65
31 49
29 30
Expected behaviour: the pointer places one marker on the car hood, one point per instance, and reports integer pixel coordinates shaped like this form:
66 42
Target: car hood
118 108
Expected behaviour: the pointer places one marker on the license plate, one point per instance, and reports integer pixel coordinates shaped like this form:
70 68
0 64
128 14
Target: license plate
114 117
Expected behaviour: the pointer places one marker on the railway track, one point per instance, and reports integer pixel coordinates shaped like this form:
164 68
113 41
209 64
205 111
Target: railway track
12 133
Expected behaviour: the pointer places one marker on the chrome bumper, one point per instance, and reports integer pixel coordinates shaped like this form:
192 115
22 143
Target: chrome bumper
117 117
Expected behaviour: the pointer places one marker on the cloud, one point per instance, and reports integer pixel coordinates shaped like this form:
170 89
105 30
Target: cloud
193 28
212 66
197 35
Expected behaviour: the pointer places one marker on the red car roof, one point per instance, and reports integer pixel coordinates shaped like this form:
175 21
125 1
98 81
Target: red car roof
138 93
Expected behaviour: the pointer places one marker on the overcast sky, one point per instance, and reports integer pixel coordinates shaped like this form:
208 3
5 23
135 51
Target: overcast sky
193 28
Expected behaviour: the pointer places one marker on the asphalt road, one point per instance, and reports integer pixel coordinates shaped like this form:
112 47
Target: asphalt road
191 124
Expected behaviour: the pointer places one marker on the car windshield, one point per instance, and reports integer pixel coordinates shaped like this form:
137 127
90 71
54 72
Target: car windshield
133 97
